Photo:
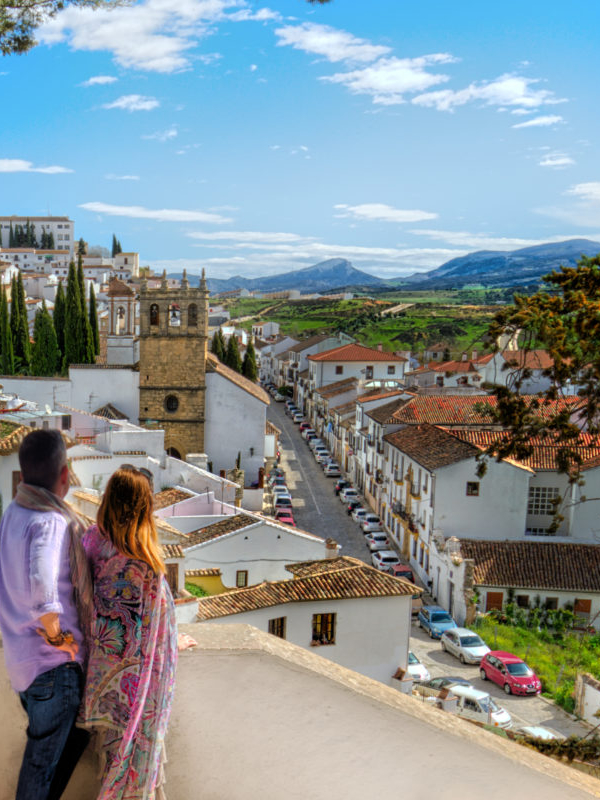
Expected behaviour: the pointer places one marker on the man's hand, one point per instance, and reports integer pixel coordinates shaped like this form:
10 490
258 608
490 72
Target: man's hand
51 630
184 641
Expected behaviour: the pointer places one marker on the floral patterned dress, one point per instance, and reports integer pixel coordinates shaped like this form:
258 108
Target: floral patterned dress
131 669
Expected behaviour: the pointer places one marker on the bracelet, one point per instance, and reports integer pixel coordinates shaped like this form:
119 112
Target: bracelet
64 637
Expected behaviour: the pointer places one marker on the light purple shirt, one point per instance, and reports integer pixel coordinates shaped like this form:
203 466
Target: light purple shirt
34 580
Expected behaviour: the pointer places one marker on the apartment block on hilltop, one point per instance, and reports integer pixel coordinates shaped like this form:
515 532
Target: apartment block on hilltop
61 228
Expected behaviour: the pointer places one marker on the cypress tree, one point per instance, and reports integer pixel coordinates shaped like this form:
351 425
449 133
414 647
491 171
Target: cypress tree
73 352
94 323
59 317
116 246
87 343
81 247
11 236
45 356
249 369
215 346
232 357
7 362
18 325
223 344
51 241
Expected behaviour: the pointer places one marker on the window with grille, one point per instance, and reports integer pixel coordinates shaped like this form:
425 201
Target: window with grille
339 370
323 628
277 627
540 500
472 488
241 578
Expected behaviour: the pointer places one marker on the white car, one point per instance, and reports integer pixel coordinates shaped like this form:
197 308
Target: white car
359 513
347 494
384 559
297 418
316 443
281 491
306 432
322 456
479 706
418 671
279 398
370 523
377 541
332 470
464 644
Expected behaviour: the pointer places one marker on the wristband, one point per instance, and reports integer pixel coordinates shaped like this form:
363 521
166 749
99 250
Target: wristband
64 637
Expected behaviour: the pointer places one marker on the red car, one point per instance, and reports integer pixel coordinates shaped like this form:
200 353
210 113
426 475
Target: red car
285 515
510 672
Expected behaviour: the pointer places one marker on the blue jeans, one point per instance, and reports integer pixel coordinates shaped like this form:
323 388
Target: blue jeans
54 744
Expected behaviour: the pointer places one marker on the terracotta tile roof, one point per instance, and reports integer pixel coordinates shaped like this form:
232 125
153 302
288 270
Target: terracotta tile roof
355 352
431 447
377 394
347 408
334 582
304 569
11 436
532 359
172 551
544 451
310 342
118 288
454 366
271 430
339 387
214 365
482 360
234 523
535 565
384 414
167 497
208 572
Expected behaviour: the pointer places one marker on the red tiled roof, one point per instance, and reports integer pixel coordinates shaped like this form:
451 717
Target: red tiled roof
531 359
207 572
534 565
454 366
118 288
339 387
331 581
377 394
169 497
544 450
230 525
355 352
431 447
310 342
172 550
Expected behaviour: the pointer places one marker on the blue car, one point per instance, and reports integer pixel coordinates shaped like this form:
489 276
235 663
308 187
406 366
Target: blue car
435 621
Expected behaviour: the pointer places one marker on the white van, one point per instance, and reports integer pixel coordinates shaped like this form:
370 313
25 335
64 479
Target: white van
479 706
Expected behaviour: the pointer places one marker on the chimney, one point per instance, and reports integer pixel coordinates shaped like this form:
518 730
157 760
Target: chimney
380 347
474 355
197 460
331 548
464 357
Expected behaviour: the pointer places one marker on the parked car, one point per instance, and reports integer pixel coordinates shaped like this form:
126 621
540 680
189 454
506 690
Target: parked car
286 519
281 491
415 668
282 501
510 672
467 646
341 484
347 494
322 456
538 732
291 410
377 541
384 559
435 621
304 426
297 418
332 470
370 523
279 398
403 571
479 706
305 432
283 512
277 481
316 442
276 472
436 684
358 513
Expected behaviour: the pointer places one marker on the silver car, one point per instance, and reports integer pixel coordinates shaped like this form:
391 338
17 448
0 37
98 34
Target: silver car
464 644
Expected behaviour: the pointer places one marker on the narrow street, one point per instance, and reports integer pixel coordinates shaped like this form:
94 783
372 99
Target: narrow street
316 508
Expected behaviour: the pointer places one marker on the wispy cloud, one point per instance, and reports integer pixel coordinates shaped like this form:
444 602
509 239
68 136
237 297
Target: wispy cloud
506 91
20 165
99 80
380 212
157 214
133 102
253 237
482 241
111 177
587 192
540 122
262 15
330 43
163 136
556 160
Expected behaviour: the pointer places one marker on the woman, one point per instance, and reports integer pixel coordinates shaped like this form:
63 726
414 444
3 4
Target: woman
133 647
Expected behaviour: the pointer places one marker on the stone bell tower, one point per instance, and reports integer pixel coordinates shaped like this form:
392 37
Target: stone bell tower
173 345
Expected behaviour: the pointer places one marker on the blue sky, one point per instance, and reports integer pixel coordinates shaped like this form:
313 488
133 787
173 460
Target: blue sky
255 139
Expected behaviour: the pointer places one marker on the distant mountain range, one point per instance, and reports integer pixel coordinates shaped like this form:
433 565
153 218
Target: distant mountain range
489 268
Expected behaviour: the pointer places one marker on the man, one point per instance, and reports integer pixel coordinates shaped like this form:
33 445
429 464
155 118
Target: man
42 583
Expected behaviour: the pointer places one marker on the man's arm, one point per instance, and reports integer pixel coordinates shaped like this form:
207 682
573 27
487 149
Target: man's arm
51 630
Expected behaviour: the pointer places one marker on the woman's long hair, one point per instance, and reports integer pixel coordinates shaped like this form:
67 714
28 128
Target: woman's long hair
125 516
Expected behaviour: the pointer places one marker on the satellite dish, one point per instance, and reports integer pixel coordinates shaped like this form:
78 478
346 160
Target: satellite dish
47 409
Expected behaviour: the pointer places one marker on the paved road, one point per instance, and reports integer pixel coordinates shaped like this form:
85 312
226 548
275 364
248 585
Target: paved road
316 508
523 710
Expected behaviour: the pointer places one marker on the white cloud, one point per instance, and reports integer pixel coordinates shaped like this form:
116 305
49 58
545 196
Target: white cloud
556 160
20 165
159 214
331 43
507 90
380 212
163 136
246 236
253 67
133 102
540 122
111 177
484 241
389 79
587 192
262 15
99 80
152 35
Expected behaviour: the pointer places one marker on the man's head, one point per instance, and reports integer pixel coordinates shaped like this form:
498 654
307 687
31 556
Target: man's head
43 461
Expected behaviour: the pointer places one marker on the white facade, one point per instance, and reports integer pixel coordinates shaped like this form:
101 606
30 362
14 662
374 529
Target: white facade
262 550
54 262
62 228
371 633
323 372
